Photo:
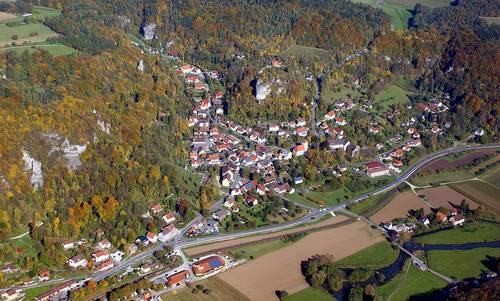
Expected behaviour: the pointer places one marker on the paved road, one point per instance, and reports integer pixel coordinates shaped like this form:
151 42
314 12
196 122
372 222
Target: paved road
185 243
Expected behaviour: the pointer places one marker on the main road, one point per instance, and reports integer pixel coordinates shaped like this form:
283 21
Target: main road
313 216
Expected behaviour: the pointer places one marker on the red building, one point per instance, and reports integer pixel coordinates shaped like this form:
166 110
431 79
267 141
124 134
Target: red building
177 278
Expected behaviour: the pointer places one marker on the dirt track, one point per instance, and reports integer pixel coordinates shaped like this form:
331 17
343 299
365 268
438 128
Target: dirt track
231 243
399 207
282 267
444 196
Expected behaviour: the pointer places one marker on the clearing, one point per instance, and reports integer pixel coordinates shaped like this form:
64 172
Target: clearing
461 264
402 203
298 50
282 267
469 232
411 281
481 192
444 196
310 294
210 248
55 49
391 95
220 291
376 256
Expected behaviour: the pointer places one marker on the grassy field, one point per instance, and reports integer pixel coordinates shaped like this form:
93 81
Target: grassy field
390 96
23 32
481 192
310 294
33 292
298 50
295 197
442 177
328 198
341 94
221 291
54 49
493 176
400 10
372 204
24 246
410 282
378 255
259 249
460 264
470 232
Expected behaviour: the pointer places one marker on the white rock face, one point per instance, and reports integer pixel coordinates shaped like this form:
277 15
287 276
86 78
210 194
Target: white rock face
262 90
148 31
35 167
140 66
72 154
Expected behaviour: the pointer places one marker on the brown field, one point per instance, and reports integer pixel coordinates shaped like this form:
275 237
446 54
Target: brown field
486 163
237 242
399 207
460 162
6 16
444 196
280 270
481 192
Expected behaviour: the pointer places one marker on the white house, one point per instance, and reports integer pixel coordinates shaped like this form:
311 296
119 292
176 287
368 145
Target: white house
457 220
78 261
117 256
168 233
152 238
100 256
169 217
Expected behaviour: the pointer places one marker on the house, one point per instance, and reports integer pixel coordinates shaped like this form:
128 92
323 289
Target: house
167 233
261 189
78 261
284 154
220 214
479 132
298 180
251 201
398 153
339 144
397 163
457 220
108 264
177 278
435 130
299 150
213 159
453 211
200 87
300 122
205 105
155 209
424 220
301 131
68 244
152 238
43 276
192 79
229 202
330 115
100 256
376 169
272 127
340 121
227 179
248 186
276 63
441 217
117 256
218 94
12 294
9 268
169 217
187 69
57 290
131 248
148 267
104 244
374 130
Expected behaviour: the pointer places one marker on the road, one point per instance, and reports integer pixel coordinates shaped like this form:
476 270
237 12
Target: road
313 216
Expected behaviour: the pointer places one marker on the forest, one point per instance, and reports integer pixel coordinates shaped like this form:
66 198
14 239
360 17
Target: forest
99 98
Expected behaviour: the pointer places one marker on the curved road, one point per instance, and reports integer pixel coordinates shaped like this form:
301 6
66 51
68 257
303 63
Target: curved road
184 243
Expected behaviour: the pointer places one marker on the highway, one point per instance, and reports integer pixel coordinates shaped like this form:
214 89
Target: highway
180 243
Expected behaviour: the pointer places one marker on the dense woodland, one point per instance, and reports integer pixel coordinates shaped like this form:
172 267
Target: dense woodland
141 161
